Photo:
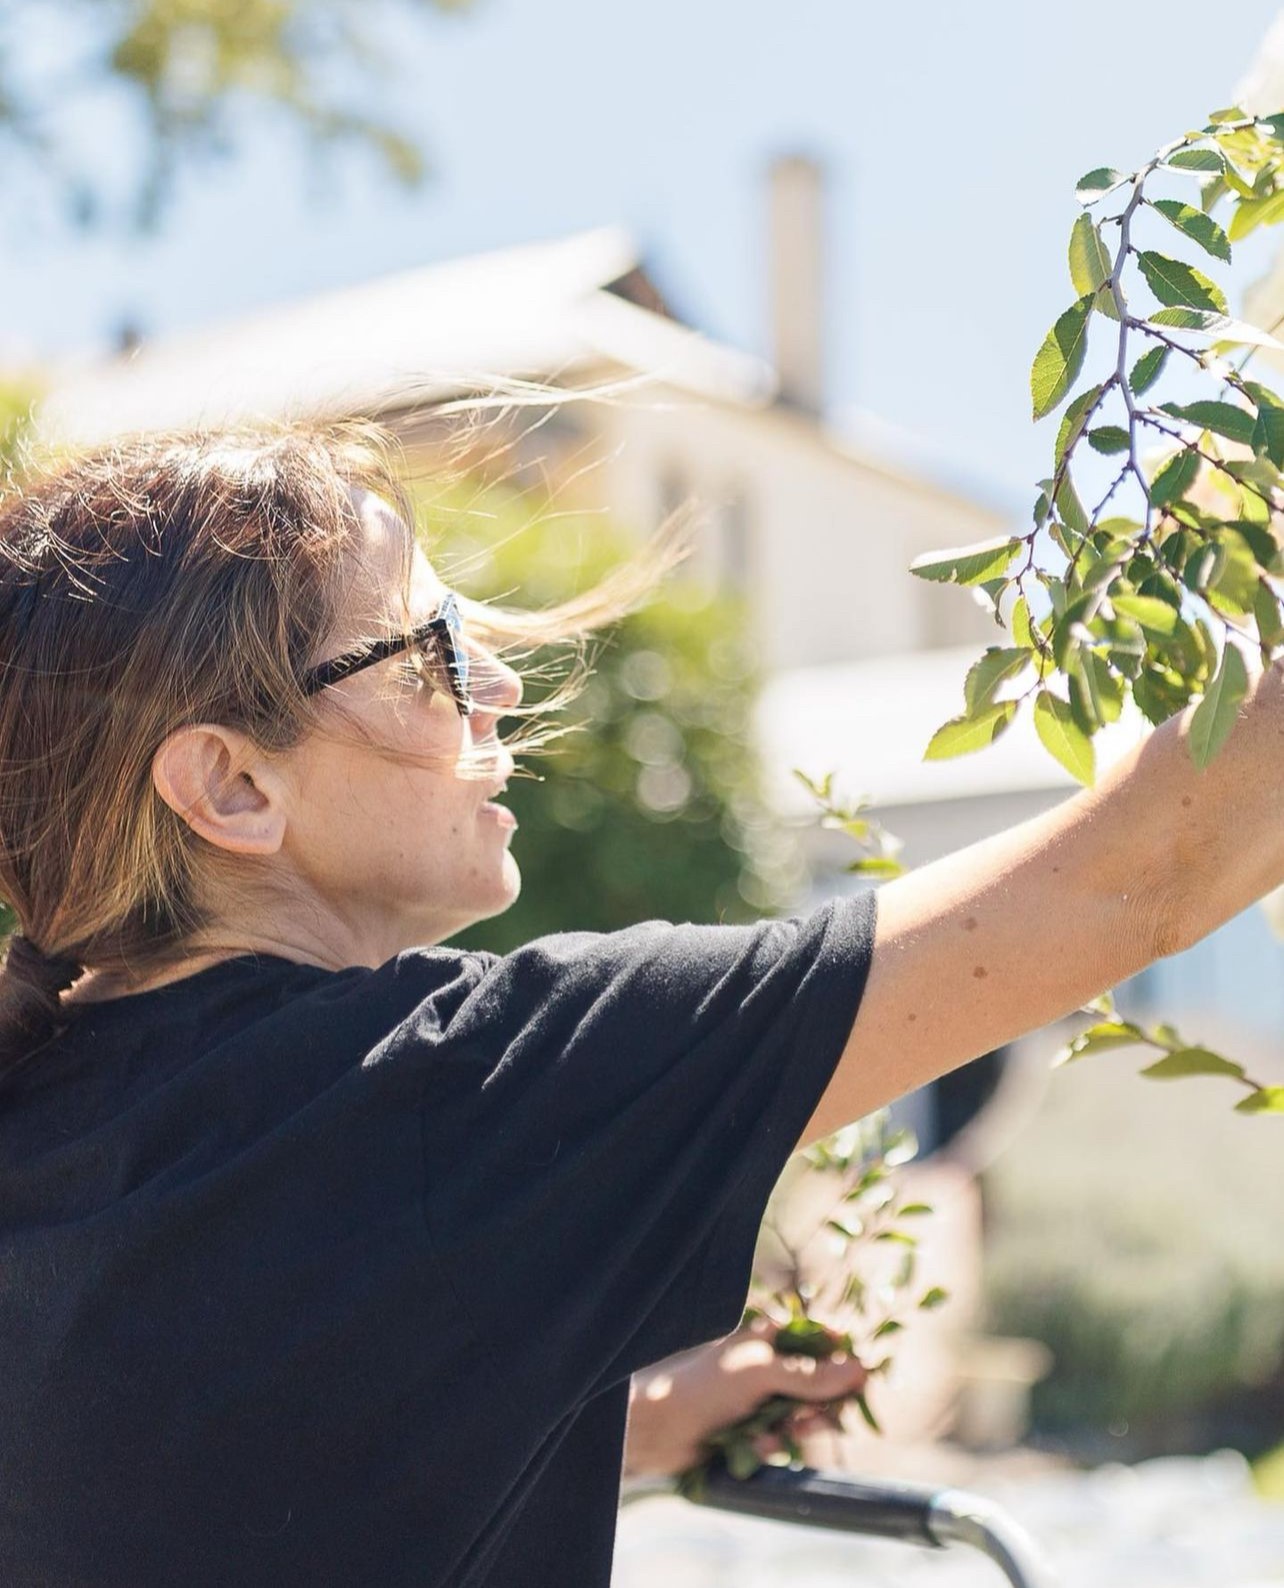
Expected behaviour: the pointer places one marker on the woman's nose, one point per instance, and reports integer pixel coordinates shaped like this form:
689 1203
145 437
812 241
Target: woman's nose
495 687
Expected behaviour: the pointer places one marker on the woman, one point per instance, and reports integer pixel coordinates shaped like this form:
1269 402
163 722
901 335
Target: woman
327 1255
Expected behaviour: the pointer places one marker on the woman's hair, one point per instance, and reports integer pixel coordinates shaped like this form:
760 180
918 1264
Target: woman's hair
172 579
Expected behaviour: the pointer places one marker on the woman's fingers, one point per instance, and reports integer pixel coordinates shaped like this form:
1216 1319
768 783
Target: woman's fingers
812 1379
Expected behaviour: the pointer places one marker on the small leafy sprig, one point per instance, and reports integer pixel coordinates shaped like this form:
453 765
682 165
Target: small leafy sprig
1177 1059
823 1290
881 849
1155 591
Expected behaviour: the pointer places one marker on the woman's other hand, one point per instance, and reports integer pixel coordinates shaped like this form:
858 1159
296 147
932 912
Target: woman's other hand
675 1406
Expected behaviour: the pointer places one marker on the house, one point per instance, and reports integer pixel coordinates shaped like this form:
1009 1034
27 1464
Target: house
814 532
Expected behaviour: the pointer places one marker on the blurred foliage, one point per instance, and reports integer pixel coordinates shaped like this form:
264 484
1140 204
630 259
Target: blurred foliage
649 805
1133 1229
186 65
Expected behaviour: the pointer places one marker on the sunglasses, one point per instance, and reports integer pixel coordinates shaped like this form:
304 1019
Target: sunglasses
437 643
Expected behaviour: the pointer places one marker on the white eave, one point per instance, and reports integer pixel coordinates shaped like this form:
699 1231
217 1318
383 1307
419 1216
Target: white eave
537 312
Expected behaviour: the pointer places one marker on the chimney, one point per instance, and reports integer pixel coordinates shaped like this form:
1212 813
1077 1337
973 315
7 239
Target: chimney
797 244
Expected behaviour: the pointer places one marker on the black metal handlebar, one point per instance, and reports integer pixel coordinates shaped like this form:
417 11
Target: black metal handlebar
909 1512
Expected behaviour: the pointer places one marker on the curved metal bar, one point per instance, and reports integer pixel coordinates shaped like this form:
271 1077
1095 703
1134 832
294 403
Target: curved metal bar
963 1518
910 1512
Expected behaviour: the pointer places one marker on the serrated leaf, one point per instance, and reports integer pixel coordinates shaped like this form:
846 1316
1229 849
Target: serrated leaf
1191 1061
1059 360
1220 326
1224 419
1268 433
1019 625
1154 615
1196 160
989 671
1108 439
1096 184
962 735
1214 717
1266 1100
1089 262
1200 228
1147 369
966 565
1071 424
1062 736
1175 478
1174 282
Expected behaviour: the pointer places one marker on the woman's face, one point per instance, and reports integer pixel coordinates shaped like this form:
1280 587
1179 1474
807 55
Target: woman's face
393 827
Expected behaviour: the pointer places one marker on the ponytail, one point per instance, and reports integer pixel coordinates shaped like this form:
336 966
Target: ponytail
31 1010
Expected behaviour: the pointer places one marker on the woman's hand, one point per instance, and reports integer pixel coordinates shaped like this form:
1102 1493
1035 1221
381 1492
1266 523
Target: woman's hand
676 1405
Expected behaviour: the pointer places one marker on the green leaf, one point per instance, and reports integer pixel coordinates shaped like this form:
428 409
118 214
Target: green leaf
1266 1100
1108 439
1175 478
914 1210
804 1337
1267 439
1088 259
875 866
1173 281
1224 419
1196 160
1214 717
1221 326
1070 507
1147 369
1062 737
1191 1061
1266 613
1019 625
962 735
1154 615
1059 360
989 671
1072 422
889 1326
1101 1038
1251 213
1200 228
865 1412
966 564
1096 184
933 1298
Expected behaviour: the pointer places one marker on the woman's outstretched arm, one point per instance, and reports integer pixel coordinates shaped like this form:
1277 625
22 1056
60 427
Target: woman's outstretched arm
1023 928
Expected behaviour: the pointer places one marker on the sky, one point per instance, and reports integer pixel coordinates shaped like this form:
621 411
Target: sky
952 134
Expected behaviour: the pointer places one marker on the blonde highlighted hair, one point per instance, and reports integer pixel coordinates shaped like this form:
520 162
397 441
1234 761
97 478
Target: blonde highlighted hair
171 579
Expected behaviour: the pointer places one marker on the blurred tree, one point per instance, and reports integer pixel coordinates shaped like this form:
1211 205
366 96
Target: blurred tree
649 805
186 65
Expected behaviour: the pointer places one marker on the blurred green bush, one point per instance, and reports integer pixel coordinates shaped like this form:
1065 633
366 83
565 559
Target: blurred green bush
1134 1229
649 806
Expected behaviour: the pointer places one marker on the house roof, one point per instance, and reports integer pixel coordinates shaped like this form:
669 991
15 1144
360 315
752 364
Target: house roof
536 312
868 723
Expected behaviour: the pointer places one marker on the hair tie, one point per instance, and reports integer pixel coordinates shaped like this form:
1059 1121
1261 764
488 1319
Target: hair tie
48 973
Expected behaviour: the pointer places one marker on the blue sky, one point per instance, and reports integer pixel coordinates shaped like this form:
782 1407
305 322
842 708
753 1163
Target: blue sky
954 134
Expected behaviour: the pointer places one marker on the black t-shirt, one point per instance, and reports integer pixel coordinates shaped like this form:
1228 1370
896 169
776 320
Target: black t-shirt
338 1278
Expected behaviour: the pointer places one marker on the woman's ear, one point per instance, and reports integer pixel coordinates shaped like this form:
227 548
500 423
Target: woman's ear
223 788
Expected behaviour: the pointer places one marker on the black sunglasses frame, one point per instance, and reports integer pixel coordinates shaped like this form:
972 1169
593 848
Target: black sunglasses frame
445 630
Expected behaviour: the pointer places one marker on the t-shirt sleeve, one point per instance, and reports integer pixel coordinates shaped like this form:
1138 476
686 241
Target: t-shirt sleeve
608 1115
